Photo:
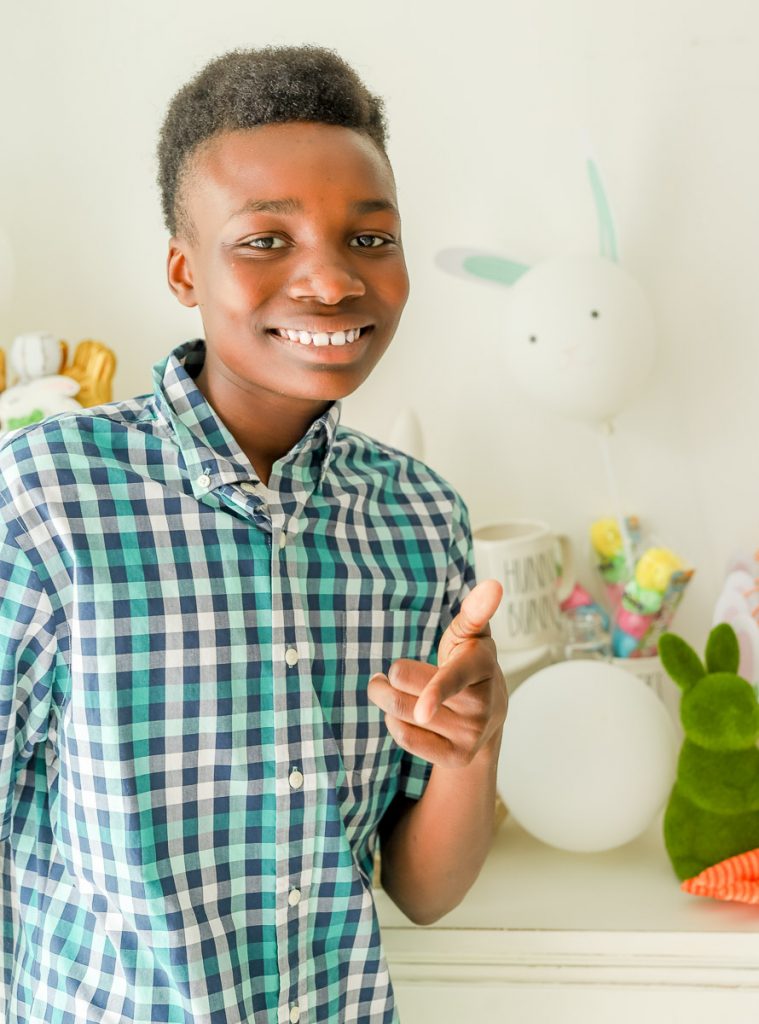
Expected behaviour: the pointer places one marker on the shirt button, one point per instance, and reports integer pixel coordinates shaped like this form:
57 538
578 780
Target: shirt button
291 656
282 539
296 778
293 897
294 1014
248 486
204 481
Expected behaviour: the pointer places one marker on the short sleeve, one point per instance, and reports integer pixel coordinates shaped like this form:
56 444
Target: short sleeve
460 579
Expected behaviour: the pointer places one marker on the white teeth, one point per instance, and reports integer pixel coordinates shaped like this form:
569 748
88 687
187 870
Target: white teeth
320 337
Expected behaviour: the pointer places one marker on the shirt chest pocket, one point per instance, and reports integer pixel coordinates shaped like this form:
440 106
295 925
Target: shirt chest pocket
367 643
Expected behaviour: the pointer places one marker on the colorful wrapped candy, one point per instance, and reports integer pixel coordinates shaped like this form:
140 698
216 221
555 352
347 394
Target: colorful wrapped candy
643 596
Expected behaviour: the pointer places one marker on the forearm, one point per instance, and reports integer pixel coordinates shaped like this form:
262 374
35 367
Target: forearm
436 848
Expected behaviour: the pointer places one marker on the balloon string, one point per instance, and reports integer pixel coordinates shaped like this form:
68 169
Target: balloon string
607 429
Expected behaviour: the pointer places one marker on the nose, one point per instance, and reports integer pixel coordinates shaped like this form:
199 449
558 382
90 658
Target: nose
328 280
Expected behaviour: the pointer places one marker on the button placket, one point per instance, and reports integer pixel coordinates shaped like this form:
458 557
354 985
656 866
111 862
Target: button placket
292 645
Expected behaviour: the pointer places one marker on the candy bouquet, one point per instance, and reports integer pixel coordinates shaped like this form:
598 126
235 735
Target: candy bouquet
644 584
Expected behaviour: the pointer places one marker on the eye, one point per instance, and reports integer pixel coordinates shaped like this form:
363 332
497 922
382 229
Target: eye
594 313
533 338
377 238
252 243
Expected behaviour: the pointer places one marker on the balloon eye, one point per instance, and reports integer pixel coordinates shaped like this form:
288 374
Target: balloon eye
533 338
594 313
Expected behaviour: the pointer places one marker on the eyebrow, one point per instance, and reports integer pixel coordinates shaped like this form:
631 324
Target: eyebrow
286 206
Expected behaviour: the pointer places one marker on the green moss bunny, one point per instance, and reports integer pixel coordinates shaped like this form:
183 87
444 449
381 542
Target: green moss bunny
713 810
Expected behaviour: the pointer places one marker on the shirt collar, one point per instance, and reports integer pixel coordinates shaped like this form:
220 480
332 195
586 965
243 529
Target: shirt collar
207 445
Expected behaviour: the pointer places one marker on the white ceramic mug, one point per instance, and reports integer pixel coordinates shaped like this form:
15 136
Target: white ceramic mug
522 555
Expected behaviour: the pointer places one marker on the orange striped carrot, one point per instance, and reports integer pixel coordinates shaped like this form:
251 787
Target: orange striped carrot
736 878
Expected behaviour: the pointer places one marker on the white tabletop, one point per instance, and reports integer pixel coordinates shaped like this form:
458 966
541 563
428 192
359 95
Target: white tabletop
526 885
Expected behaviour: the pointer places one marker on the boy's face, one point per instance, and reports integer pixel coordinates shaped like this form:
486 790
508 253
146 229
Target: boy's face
320 262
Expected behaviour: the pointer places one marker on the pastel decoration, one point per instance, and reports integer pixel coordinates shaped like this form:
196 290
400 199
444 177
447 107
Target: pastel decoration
623 644
35 354
579 330
614 570
579 336
28 403
580 598
406 434
641 600
635 625
588 756
614 592
713 810
467 263
738 605
606 538
736 879
655 568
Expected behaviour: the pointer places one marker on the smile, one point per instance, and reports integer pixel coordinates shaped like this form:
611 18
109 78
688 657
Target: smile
320 338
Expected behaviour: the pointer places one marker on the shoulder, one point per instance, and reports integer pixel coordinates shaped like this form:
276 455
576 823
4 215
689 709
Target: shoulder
363 463
68 440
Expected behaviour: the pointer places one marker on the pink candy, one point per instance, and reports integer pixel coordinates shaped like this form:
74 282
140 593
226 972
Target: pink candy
632 624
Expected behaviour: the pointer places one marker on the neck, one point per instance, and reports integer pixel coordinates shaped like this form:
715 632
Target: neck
264 424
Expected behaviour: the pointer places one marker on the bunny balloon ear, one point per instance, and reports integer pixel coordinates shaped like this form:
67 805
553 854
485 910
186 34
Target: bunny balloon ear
476 263
605 220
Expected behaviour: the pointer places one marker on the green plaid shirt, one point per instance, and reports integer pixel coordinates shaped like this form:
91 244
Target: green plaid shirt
191 773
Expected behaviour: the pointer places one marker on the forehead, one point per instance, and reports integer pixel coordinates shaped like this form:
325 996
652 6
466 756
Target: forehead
303 160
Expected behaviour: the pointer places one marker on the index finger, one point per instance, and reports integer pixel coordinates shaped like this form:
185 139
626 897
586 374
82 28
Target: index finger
471 667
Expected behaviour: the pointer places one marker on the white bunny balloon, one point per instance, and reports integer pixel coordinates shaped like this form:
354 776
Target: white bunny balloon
579 329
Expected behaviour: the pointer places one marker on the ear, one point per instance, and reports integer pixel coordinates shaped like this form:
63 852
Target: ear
179 272
680 661
475 263
723 653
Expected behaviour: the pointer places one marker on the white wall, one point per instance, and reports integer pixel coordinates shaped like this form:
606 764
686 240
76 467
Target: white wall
490 107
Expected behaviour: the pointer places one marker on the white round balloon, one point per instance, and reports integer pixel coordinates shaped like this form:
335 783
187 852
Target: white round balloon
588 756
580 336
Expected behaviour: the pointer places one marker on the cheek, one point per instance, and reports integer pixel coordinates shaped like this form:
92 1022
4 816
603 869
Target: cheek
392 290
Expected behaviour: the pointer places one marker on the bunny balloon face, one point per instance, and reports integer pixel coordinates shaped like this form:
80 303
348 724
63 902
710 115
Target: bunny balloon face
579 336
579 330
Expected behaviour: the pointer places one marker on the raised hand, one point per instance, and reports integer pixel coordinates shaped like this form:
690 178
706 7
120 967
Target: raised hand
447 714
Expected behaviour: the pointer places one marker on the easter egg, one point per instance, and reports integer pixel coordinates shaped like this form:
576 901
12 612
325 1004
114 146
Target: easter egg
623 644
640 600
606 538
655 567
633 624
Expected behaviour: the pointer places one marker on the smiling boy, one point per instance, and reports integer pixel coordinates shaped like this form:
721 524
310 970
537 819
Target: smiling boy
239 642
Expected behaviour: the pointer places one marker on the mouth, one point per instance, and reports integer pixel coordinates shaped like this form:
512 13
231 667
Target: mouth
320 338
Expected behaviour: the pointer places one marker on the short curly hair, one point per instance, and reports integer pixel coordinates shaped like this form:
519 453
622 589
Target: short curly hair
247 88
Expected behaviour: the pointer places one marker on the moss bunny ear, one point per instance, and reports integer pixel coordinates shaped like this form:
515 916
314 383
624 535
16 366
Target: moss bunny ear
680 661
723 654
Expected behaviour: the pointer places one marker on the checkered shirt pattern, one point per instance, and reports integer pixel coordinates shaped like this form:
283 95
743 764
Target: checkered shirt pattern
191 773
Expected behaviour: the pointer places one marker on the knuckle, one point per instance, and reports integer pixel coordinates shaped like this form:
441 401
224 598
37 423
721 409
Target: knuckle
398 706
